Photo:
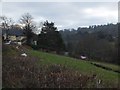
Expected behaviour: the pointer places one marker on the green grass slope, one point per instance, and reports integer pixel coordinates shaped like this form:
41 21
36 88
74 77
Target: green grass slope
41 69
109 78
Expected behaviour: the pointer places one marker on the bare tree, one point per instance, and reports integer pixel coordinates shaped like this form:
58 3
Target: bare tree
27 20
6 22
29 26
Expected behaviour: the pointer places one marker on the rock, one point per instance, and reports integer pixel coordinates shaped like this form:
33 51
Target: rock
17 47
99 81
24 54
8 42
83 57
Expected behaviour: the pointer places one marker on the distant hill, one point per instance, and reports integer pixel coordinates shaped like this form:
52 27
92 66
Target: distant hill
96 42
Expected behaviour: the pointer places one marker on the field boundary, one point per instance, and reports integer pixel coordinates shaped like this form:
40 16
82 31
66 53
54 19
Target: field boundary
103 67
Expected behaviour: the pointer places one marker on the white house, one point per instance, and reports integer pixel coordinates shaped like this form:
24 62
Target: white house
13 35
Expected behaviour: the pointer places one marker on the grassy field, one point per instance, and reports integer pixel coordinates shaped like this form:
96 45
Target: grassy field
26 72
82 66
41 65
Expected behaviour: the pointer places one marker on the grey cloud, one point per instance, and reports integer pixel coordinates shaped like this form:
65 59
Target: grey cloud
64 14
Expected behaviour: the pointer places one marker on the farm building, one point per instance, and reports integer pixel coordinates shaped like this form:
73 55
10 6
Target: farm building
14 35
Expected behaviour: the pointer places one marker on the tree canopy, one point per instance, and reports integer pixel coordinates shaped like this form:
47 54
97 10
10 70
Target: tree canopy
50 38
27 21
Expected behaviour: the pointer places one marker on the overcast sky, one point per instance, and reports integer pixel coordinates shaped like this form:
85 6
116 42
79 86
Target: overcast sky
65 14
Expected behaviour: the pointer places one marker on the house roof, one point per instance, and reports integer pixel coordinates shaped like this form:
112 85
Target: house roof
16 32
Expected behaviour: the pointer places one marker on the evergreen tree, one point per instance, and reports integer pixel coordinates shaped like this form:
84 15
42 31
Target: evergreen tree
50 38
